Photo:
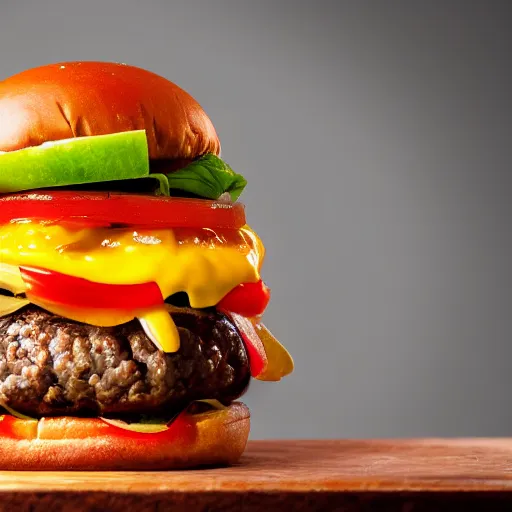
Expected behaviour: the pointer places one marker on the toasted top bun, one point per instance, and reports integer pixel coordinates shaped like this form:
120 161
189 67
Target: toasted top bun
74 99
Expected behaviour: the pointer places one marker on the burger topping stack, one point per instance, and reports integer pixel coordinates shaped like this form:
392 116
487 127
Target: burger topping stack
130 290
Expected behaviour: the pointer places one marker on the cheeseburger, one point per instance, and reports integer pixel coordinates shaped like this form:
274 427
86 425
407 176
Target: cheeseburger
130 290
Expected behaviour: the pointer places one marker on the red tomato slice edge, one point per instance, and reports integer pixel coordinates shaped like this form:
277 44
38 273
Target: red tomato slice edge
247 299
258 360
104 208
75 291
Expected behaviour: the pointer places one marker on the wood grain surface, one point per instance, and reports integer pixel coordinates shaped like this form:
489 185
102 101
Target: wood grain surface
406 475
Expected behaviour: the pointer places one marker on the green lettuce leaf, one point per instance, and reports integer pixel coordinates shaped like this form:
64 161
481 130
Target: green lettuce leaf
14 413
162 188
209 177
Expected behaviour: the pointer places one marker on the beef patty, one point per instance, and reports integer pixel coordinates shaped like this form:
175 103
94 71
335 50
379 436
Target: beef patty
53 366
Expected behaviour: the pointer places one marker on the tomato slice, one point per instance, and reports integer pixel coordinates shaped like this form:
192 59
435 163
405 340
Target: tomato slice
247 299
79 292
181 429
107 208
258 360
64 427
15 428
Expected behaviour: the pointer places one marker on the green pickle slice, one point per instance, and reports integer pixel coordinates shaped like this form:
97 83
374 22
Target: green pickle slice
92 159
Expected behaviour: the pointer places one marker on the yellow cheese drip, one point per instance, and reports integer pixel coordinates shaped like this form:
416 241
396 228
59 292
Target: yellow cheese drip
204 263
280 362
160 328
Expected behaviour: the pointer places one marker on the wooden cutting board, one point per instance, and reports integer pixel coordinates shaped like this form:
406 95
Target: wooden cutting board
405 475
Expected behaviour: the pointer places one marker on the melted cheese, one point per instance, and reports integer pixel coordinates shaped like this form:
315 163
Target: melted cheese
10 279
9 305
160 328
280 362
204 263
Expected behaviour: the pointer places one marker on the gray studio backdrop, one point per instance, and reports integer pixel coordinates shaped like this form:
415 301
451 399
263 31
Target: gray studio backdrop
376 139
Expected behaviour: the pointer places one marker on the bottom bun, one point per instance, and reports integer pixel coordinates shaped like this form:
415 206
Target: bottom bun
215 437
